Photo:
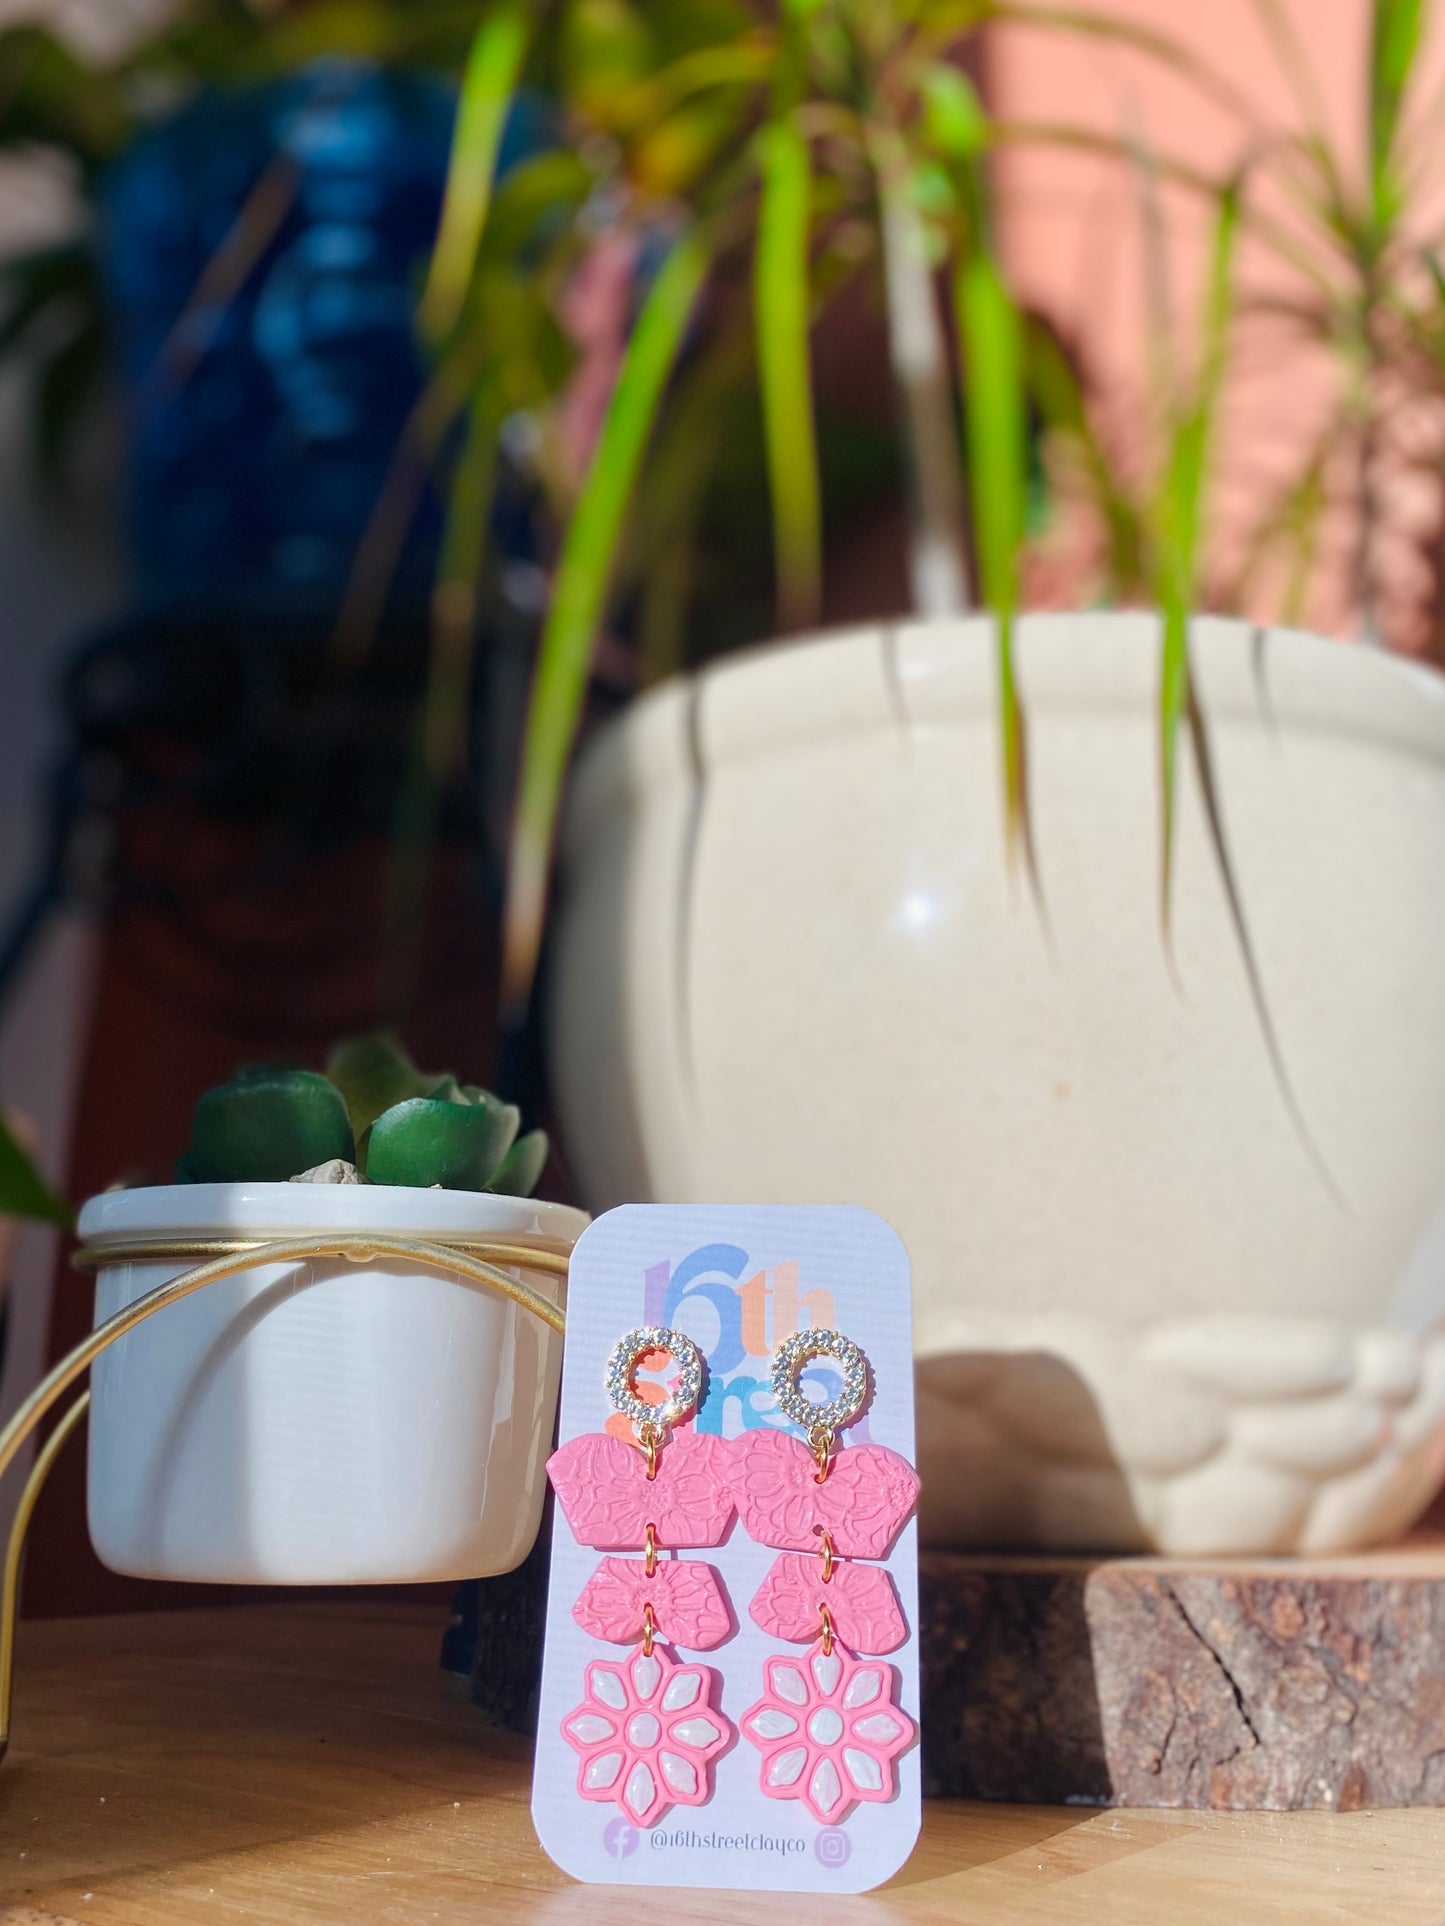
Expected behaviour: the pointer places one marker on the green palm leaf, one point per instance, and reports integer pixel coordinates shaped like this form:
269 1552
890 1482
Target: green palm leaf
1394 42
440 737
992 355
488 84
454 599
578 596
782 310
1058 393
1180 521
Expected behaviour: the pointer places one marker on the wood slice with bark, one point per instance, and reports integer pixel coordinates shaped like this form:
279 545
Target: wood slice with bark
1232 1684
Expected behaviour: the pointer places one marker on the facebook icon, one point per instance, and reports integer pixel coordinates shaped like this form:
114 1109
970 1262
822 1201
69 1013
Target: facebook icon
619 1839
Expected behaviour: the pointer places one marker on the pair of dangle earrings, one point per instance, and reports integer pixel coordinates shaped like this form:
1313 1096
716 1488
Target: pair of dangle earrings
827 1724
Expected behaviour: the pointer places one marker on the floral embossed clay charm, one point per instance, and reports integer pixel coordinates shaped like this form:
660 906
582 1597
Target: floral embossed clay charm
829 1728
646 1732
601 1483
648 1728
685 1597
860 1598
868 1493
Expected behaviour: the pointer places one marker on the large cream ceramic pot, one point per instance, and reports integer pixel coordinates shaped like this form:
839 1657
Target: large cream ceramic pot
327 1422
1167 1294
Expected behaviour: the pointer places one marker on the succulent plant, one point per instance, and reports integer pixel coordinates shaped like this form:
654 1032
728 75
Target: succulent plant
457 1140
267 1124
373 1109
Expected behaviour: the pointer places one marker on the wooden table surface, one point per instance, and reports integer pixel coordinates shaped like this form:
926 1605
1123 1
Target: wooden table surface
312 1764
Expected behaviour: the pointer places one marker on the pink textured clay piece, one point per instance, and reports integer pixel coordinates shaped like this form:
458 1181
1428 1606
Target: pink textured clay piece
862 1503
860 1598
829 1728
686 1599
602 1485
646 1733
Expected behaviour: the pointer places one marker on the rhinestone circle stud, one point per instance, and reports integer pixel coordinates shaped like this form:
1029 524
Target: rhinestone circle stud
686 1393
788 1362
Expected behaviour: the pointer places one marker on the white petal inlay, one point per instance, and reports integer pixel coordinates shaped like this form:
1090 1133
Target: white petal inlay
643 1731
863 1687
682 1689
878 1726
591 1727
863 1769
697 1731
789 1684
645 1674
770 1723
787 1768
640 1790
826 1726
680 1773
827 1668
826 1787
602 1770
608 1687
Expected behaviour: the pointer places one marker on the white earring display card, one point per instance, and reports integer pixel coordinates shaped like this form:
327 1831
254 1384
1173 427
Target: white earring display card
730 1678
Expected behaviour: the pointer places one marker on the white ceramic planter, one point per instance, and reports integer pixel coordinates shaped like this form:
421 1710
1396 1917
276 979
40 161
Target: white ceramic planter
792 964
323 1422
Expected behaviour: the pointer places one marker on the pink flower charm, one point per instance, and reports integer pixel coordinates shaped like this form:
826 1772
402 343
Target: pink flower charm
646 1732
864 1606
603 1487
829 1729
863 1501
687 1603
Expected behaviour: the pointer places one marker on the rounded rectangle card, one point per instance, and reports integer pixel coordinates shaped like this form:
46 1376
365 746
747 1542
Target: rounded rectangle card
730 1676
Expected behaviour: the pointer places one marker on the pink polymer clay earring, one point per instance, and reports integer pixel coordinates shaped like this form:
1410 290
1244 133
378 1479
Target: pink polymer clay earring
648 1727
828 1725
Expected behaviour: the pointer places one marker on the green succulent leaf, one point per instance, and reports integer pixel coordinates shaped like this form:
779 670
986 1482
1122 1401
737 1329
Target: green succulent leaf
374 1072
265 1127
520 1171
432 1140
23 1191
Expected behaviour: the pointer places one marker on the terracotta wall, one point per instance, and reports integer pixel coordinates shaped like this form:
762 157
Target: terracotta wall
1075 222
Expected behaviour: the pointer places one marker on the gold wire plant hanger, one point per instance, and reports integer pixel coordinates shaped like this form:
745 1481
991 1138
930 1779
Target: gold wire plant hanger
475 1259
